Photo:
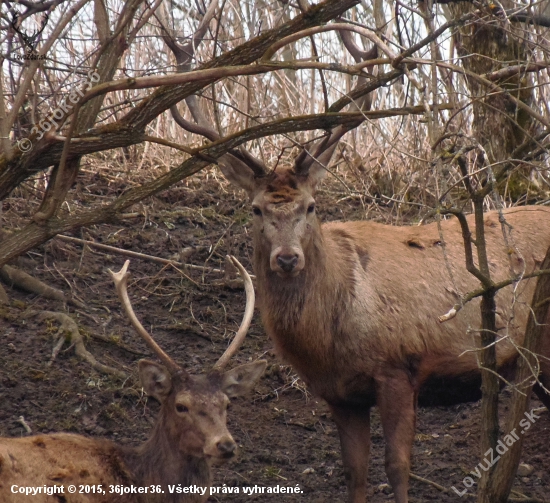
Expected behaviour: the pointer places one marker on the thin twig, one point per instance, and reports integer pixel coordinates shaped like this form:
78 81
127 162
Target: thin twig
430 482
144 256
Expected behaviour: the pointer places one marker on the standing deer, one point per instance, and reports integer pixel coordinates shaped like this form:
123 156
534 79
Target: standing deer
189 434
354 307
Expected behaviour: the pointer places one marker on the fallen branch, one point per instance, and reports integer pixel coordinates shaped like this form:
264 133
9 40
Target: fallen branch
527 499
520 499
228 282
119 344
429 482
133 254
68 330
20 279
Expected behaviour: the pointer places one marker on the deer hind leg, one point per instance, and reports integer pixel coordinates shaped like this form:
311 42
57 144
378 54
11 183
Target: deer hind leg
396 399
353 425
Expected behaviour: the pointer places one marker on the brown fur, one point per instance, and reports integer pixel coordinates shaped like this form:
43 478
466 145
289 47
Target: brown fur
180 450
358 315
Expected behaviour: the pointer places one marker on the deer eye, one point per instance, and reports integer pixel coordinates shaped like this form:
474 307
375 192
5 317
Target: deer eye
311 208
181 408
257 211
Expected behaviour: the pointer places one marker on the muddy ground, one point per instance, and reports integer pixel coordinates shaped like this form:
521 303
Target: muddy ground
286 436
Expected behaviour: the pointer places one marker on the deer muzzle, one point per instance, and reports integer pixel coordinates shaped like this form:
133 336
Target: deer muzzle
287 262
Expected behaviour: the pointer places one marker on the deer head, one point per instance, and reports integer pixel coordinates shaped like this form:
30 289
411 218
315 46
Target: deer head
283 208
282 200
193 413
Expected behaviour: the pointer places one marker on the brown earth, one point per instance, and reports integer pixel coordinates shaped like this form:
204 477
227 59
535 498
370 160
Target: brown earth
286 436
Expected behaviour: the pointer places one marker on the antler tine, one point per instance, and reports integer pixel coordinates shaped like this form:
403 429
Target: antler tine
299 162
235 157
204 128
247 317
323 149
121 283
43 24
184 55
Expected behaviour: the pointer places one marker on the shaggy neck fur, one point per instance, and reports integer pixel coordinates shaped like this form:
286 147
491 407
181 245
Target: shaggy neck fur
304 314
159 461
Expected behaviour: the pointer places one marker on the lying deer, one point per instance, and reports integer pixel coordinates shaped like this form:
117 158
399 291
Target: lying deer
189 434
354 307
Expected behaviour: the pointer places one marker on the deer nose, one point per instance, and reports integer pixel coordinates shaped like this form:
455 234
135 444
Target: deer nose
226 448
287 262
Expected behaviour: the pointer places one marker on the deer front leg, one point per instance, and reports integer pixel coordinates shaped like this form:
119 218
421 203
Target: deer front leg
396 399
354 429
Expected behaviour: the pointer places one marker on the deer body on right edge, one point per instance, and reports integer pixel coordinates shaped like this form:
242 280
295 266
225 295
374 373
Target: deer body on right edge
354 307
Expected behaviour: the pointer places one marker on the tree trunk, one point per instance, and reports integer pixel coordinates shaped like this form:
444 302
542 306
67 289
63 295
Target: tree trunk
487 44
500 483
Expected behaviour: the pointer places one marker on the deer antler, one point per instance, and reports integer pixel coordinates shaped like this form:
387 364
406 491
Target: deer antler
14 24
323 149
184 56
235 156
247 317
238 160
121 283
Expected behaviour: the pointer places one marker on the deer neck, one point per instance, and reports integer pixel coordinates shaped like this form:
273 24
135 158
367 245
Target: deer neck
295 310
158 461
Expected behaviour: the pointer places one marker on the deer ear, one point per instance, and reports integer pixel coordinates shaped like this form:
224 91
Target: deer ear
314 164
242 379
316 174
318 170
155 379
237 172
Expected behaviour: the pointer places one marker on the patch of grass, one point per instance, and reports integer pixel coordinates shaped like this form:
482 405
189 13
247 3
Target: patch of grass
272 472
19 304
68 424
38 375
6 314
116 412
242 216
